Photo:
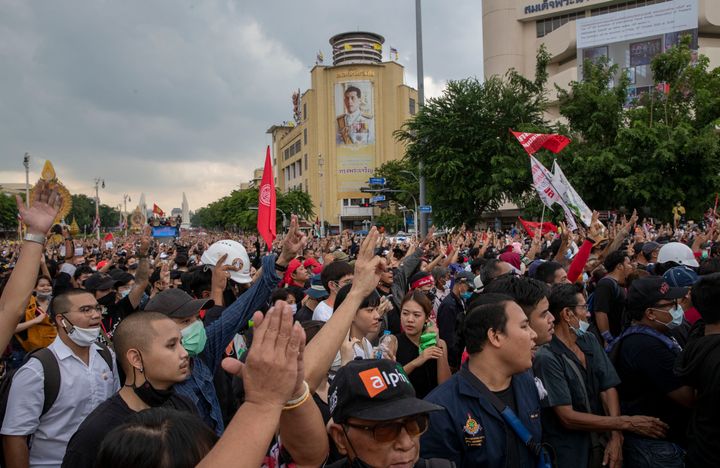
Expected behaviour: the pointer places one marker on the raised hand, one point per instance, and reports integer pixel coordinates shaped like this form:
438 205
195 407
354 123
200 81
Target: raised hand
368 266
40 215
293 242
220 274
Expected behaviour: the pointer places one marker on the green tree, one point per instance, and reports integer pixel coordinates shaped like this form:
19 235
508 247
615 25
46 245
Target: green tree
83 210
471 162
391 221
8 213
650 152
234 210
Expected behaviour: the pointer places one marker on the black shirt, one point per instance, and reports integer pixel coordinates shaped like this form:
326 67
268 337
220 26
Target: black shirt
425 377
645 367
609 297
113 412
513 448
451 308
115 313
699 367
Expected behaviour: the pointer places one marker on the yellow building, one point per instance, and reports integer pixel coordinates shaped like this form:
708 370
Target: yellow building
343 129
513 30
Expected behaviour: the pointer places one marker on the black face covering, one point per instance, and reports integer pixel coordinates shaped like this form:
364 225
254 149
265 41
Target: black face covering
152 397
107 300
431 295
357 462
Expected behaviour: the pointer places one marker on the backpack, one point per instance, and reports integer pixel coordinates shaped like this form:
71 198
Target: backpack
51 371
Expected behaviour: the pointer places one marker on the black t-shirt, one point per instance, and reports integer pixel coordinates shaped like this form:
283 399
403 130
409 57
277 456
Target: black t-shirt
645 366
115 313
113 412
425 377
514 443
609 297
699 367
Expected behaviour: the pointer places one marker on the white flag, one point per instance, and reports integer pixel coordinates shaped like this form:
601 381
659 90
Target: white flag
570 196
548 193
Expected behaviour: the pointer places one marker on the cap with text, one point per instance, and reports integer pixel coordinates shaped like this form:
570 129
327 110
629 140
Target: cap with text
375 390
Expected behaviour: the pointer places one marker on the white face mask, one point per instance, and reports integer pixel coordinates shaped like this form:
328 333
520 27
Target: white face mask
82 336
294 308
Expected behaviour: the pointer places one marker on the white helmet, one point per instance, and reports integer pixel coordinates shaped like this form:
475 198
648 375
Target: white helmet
237 256
678 253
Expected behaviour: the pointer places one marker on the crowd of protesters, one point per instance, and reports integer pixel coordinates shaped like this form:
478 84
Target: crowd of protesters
465 348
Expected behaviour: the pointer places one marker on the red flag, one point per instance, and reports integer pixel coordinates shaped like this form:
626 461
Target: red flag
266 203
663 87
108 237
532 142
531 226
158 211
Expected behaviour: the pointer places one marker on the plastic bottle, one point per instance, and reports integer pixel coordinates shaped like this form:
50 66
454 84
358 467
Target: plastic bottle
387 347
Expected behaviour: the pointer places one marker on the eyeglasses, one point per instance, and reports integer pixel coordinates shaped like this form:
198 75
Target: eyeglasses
387 432
582 306
89 309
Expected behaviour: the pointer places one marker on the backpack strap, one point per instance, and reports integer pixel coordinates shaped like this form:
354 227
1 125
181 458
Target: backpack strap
51 371
107 356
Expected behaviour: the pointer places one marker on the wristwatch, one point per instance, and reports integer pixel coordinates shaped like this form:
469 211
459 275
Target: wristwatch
37 238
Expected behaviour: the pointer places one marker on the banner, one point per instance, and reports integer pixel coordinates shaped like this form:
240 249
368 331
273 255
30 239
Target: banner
354 128
532 226
266 220
548 193
532 142
570 196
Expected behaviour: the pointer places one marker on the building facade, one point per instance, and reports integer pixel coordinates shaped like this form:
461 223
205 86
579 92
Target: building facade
343 129
513 30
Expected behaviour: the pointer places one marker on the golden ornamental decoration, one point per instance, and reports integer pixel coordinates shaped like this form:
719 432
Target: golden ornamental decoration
49 176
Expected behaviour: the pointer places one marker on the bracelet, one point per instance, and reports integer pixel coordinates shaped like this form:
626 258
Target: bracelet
280 267
292 404
37 238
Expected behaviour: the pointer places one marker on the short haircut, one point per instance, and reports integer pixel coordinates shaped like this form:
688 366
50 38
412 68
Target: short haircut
82 270
334 272
60 304
421 298
197 280
481 319
527 292
135 331
371 300
614 259
545 272
561 296
278 294
155 276
439 272
157 438
350 89
709 266
476 265
490 271
706 297
43 277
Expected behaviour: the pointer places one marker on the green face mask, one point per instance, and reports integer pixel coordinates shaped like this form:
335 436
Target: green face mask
194 338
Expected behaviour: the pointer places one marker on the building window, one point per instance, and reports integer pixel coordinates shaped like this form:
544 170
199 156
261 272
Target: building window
304 111
305 157
548 25
624 6
299 168
287 153
292 171
305 136
412 106
306 186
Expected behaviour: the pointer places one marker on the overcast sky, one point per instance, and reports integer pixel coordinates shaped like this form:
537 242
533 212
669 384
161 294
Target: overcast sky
166 96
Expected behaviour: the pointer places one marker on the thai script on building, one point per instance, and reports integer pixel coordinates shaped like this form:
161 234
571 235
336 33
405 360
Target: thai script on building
550 5
354 72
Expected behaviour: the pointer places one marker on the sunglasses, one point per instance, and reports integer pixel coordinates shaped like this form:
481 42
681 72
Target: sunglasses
387 432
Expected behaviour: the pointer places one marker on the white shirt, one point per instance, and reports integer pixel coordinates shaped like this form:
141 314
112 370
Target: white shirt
82 389
322 312
362 350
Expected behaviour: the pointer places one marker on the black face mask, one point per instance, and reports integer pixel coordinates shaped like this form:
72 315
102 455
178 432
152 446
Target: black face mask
431 295
356 462
152 397
107 300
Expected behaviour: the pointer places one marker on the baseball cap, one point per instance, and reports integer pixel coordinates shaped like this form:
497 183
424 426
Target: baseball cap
316 289
375 390
99 281
650 247
681 277
340 256
646 291
176 303
465 276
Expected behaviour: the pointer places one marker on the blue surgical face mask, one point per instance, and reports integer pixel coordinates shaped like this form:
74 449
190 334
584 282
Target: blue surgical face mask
466 295
124 293
677 313
582 327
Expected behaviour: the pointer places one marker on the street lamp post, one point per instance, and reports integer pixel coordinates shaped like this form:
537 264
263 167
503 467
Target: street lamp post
284 216
421 103
98 182
26 163
126 198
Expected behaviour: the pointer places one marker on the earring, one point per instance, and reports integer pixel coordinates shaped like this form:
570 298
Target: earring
141 370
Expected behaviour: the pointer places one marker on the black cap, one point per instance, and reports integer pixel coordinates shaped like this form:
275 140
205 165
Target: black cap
649 290
176 303
99 281
376 390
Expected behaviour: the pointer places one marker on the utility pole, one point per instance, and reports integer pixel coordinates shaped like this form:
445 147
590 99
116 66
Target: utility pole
421 103
26 163
98 182
126 198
